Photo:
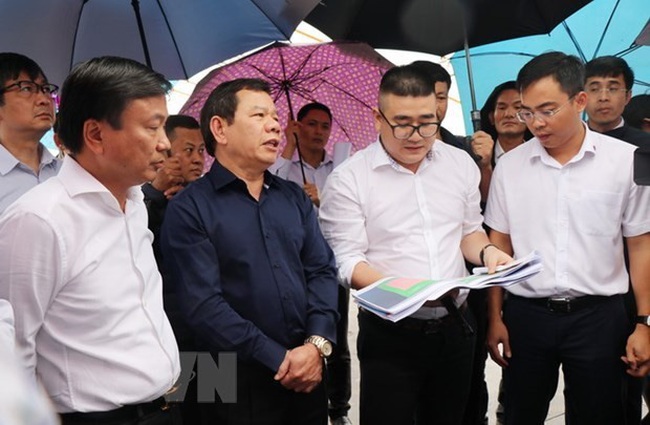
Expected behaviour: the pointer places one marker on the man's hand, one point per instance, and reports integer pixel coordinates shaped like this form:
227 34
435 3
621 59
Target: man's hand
168 176
497 334
493 257
301 370
291 133
482 146
638 352
312 191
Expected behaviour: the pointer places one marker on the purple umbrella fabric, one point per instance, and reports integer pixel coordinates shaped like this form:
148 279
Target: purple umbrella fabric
342 75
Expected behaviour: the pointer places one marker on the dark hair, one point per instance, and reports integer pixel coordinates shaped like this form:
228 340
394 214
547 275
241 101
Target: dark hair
183 121
567 70
311 107
435 71
101 89
610 66
12 64
490 106
223 102
636 110
405 80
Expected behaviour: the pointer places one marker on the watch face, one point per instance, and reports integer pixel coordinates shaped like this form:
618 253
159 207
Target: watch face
327 348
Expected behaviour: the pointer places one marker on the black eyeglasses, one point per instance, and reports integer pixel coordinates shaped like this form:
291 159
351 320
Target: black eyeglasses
29 88
404 131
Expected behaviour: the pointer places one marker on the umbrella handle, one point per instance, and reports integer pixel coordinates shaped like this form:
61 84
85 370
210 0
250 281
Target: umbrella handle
302 165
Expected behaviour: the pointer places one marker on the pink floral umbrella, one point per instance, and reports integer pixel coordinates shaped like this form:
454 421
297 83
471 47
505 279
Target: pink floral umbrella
342 75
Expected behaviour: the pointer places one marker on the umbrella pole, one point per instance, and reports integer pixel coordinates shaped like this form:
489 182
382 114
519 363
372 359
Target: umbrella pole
285 88
143 38
475 114
302 165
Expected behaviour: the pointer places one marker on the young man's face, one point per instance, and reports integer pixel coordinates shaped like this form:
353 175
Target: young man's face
400 110
315 129
138 148
544 97
26 113
606 100
442 99
504 116
188 145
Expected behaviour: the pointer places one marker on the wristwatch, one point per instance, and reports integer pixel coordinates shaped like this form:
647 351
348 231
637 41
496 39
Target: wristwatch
323 345
644 320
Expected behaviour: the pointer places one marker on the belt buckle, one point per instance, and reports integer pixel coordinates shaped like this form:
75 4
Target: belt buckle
559 304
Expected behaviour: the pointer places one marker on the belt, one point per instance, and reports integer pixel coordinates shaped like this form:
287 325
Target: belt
130 412
425 326
565 304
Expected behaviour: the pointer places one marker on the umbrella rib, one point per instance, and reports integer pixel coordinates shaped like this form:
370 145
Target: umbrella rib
602 36
574 41
171 34
76 31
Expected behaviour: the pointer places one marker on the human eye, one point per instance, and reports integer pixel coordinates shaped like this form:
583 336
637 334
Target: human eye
26 87
547 113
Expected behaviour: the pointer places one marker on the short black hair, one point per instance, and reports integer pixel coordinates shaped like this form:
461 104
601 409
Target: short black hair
637 109
567 70
490 106
405 80
311 107
223 102
610 66
12 64
183 121
435 71
101 89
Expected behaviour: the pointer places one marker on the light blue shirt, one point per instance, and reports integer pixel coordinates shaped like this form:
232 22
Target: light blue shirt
17 178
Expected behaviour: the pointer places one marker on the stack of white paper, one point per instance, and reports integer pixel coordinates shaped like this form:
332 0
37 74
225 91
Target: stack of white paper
393 298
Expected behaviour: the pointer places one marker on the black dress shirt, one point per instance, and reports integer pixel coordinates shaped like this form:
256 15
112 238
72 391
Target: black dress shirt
253 277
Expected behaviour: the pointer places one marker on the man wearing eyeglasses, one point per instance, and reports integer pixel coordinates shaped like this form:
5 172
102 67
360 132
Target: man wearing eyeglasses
608 85
568 193
26 114
408 206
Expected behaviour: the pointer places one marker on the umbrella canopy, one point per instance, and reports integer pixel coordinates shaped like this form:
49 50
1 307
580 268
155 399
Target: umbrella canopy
344 76
603 27
180 37
438 26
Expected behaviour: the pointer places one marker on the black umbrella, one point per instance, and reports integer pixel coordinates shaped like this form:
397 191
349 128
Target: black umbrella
439 26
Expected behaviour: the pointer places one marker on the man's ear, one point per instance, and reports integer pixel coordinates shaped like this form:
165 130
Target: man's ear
581 101
378 119
93 136
218 127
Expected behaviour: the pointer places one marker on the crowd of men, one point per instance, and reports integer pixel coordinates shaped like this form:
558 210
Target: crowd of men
123 255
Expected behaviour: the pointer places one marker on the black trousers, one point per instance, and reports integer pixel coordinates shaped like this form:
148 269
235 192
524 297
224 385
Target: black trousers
477 403
129 415
263 401
339 367
587 343
410 376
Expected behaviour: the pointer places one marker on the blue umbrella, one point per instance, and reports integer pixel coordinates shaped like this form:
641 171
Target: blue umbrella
176 38
603 27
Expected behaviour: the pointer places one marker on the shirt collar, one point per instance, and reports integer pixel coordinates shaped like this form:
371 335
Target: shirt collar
221 177
382 158
8 162
587 146
327 159
77 181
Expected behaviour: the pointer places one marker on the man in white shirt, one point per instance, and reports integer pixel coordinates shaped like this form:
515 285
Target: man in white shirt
26 114
408 206
75 255
568 193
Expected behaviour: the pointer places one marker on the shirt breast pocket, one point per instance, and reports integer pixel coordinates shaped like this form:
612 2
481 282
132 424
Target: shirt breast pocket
597 213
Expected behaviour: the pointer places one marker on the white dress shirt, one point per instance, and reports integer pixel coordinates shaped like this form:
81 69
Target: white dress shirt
90 322
575 215
290 170
402 223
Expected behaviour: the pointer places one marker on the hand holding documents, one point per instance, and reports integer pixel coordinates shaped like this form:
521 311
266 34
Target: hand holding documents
394 298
